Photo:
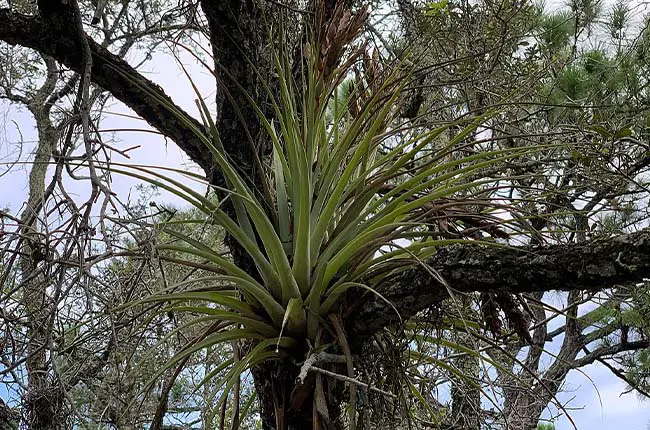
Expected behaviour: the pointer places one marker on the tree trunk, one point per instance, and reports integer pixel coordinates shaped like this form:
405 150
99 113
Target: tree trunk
43 399
242 58
274 383
287 405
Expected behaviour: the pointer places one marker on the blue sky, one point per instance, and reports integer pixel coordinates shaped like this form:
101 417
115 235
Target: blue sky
592 395
597 403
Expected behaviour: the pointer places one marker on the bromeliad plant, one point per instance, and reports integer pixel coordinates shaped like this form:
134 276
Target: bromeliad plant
350 198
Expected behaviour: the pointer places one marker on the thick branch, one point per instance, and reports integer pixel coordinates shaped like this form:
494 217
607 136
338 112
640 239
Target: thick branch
589 266
54 34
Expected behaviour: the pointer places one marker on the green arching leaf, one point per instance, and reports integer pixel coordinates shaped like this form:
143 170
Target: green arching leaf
258 354
209 340
248 404
214 372
302 221
218 298
259 326
437 416
242 217
204 204
420 183
264 227
328 212
284 220
327 202
337 290
199 249
415 186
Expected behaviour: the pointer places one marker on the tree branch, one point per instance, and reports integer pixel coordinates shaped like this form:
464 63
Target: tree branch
621 375
606 351
593 265
54 34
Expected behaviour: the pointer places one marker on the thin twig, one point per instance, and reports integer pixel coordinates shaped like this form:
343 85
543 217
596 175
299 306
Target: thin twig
352 381
624 378
319 357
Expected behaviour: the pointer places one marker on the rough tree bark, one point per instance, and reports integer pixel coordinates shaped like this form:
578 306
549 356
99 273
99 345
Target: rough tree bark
236 33
621 260
44 399
242 57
